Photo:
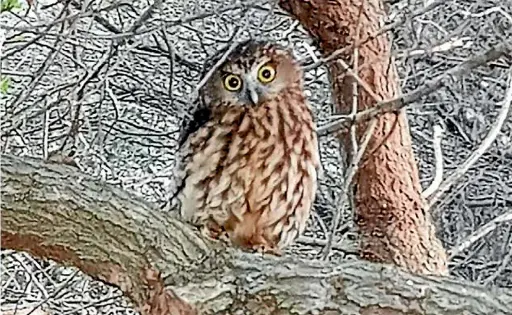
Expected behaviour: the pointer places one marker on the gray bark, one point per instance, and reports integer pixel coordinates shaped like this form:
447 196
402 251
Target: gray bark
164 266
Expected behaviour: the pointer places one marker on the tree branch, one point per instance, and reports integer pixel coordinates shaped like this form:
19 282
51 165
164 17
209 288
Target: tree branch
482 148
55 212
397 103
438 155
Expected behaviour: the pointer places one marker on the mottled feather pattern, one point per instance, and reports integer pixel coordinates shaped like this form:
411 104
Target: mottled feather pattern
199 118
250 171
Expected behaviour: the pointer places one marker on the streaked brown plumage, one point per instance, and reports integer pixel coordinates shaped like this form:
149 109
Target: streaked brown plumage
249 158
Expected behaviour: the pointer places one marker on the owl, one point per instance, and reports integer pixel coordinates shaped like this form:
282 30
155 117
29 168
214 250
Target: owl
248 159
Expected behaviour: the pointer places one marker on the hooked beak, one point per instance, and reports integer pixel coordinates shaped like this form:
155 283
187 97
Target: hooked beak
253 95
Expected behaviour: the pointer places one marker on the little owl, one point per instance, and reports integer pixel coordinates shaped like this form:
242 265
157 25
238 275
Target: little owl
248 159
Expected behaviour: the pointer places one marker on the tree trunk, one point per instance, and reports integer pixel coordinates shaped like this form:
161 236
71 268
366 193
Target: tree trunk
390 212
55 212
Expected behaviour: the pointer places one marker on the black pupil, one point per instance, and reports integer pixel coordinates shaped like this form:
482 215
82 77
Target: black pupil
233 82
266 73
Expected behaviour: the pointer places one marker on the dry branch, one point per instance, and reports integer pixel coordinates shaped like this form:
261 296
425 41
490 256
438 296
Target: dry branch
482 148
53 211
438 154
27 309
399 102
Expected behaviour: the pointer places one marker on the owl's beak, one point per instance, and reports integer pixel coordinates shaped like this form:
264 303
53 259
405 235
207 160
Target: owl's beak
253 95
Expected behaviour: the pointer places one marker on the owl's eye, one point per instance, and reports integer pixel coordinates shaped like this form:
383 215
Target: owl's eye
266 74
232 82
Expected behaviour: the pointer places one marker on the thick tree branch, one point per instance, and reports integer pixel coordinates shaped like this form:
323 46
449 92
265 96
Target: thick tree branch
53 211
389 209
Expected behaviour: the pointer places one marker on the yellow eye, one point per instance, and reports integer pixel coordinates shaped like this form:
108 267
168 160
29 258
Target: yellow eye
232 82
266 74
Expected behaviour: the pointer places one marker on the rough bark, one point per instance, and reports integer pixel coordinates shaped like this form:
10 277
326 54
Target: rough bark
389 210
55 212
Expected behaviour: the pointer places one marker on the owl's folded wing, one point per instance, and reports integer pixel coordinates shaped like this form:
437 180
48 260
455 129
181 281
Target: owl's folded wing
184 153
199 118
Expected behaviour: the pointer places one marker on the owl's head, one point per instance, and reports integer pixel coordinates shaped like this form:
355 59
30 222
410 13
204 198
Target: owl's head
253 73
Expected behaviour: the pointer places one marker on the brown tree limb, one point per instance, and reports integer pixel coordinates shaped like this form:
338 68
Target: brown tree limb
53 211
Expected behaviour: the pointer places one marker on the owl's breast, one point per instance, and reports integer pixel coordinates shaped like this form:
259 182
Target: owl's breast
253 173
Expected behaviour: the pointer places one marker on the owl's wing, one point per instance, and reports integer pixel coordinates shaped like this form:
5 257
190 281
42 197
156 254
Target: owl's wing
184 153
199 118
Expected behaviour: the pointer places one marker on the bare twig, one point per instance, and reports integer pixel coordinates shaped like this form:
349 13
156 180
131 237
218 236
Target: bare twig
486 143
395 104
145 16
398 21
357 152
101 20
479 233
438 155
54 293
82 14
46 126
503 266
24 309
20 115
347 183
23 95
448 45
121 36
223 58
8 53
321 222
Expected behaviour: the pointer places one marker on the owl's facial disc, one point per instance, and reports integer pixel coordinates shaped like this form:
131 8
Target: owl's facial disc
253 78
258 84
